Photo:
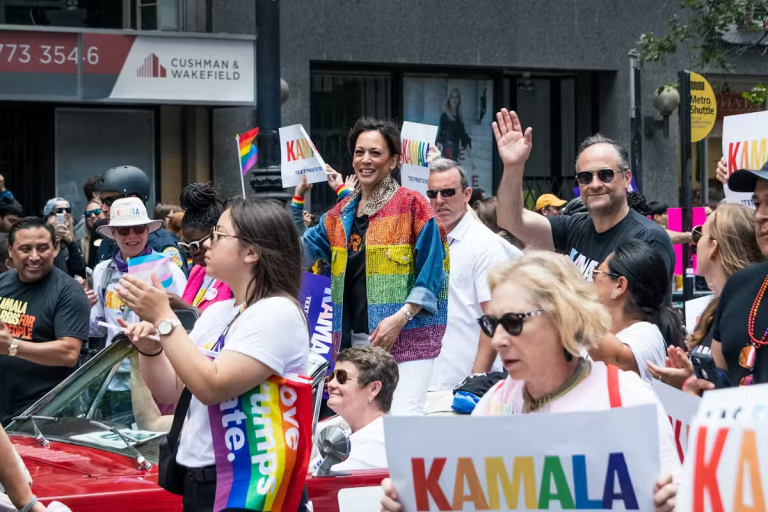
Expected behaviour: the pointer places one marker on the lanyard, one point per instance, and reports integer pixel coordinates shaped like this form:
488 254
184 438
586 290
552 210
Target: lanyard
207 283
220 343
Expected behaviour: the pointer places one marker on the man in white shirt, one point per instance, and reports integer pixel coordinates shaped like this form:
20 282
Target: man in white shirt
474 250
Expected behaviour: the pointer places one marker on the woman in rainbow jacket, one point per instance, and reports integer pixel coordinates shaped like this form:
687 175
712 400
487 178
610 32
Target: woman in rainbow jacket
389 264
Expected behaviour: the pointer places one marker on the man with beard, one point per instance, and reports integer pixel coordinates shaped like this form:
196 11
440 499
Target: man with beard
604 176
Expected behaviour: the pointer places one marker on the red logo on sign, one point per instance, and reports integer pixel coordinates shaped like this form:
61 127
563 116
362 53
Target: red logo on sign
152 68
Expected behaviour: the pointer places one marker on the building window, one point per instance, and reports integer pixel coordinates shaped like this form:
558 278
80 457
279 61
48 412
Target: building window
462 109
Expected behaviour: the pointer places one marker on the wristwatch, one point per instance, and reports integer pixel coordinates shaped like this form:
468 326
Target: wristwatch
407 313
166 327
14 348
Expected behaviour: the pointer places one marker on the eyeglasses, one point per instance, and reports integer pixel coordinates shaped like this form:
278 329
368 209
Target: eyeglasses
341 377
89 213
109 200
696 233
604 175
63 210
216 235
139 230
446 192
511 322
596 272
194 247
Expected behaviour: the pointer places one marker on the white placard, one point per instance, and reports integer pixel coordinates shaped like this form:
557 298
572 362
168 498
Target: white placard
299 157
694 309
681 409
531 461
727 466
112 440
744 147
416 139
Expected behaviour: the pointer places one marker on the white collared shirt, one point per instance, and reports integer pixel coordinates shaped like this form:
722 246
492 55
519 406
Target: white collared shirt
474 250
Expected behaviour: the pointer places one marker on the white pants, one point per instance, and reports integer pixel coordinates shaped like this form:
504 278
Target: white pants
412 386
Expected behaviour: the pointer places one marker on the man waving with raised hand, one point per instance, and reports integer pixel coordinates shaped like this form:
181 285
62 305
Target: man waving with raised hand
604 176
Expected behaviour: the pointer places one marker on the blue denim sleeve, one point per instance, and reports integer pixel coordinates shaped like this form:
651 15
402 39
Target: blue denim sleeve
430 270
297 214
315 244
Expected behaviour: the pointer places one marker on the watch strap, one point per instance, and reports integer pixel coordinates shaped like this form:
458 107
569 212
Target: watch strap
29 506
14 348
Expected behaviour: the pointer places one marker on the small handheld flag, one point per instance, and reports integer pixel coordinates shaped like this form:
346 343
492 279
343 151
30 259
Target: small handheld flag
248 153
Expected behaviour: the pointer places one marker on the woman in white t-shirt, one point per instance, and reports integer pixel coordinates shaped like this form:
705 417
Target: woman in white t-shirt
541 315
633 284
360 390
237 344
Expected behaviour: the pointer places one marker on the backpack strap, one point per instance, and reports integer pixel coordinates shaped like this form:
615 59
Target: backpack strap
614 394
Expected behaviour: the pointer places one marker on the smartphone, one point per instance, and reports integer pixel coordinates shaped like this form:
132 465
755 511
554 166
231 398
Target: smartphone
61 218
704 367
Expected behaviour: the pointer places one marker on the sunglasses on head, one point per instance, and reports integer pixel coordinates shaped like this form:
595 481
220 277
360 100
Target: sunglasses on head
341 376
89 213
63 210
511 322
139 230
604 175
109 200
446 192
194 247
696 233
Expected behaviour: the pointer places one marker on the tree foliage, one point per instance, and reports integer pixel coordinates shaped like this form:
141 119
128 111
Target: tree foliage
703 24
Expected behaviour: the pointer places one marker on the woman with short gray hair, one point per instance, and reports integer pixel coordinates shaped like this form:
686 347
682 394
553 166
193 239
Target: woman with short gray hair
360 391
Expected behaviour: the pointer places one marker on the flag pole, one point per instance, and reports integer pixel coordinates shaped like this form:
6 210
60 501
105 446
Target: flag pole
240 165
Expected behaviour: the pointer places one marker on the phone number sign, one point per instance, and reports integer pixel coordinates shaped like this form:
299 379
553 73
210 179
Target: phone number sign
38 52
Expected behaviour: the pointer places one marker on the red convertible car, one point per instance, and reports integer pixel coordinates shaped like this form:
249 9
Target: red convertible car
92 444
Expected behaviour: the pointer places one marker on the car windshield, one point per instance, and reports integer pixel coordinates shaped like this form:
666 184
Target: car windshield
108 391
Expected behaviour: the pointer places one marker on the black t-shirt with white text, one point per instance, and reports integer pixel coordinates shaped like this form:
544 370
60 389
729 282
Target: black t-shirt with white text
731 324
576 236
53 308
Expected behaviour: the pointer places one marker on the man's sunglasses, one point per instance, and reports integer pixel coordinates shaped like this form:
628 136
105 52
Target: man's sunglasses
89 213
696 233
604 175
63 210
139 230
511 322
194 247
109 200
341 377
446 192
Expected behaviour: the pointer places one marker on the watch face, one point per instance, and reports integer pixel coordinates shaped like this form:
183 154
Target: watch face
164 327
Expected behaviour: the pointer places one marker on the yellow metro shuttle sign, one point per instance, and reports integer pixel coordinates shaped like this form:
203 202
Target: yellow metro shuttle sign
703 107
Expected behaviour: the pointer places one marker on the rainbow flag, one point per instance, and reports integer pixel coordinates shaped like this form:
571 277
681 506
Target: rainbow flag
262 441
249 152
144 266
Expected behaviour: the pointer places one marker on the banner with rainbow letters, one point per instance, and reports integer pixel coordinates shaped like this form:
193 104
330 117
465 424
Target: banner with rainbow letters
144 266
262 441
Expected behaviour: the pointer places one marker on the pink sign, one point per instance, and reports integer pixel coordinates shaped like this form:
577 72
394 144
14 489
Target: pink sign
675 223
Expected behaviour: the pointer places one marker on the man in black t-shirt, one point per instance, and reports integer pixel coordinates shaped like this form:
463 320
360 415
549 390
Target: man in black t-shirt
604 177
44 318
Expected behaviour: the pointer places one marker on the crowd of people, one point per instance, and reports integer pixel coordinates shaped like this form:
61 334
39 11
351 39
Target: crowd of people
567 304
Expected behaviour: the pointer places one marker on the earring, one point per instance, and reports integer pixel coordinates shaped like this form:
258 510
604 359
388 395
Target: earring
370 400
613 295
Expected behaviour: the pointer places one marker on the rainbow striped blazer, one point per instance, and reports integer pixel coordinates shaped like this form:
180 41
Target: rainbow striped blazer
406 261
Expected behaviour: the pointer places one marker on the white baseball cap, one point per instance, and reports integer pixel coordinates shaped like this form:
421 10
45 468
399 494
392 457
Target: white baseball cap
128 212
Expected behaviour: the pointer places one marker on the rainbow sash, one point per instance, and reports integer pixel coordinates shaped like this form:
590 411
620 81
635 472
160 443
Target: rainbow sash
262 441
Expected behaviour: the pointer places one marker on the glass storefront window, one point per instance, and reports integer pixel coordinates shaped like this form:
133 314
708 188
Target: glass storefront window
462 109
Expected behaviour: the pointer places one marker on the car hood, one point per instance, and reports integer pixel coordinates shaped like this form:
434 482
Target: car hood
62 469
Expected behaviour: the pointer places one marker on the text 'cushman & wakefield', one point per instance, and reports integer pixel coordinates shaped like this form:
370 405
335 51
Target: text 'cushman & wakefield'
204 69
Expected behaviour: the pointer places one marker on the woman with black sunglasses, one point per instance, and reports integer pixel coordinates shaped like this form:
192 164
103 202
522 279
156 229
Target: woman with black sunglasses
542 316
69 258
93 213
202 206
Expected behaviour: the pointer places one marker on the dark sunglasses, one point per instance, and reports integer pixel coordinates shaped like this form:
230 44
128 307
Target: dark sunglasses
194 247
139 230
604 175
109 200
446 192
63 210
696 233
511 322
341 377
89 213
